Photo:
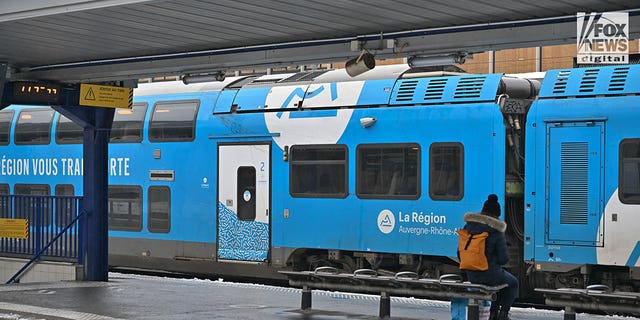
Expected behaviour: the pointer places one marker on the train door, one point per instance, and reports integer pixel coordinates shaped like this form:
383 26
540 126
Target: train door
244 189
574 182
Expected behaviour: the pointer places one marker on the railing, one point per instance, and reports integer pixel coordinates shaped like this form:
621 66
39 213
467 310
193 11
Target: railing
53 227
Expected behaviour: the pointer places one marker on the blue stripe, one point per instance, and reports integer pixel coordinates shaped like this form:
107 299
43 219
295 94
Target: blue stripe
296 93
635 254
334 91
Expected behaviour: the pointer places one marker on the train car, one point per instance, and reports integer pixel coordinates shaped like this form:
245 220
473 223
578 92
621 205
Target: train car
294 171
582 187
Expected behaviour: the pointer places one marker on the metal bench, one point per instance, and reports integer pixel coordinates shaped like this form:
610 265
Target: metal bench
403 284
595 297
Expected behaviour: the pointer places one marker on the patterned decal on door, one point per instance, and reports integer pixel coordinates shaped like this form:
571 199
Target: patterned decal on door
241 240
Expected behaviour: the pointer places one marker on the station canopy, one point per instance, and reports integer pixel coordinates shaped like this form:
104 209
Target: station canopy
113 40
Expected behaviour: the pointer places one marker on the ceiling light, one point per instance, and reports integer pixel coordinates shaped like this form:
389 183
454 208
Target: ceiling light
361 64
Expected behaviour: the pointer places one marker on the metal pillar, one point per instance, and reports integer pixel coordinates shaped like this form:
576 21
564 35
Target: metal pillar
306 298
385 306
473 310
96 181
569 313
538 59
492 62
3 75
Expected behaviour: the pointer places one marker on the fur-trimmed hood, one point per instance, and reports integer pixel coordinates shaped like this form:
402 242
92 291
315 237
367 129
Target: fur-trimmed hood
486 220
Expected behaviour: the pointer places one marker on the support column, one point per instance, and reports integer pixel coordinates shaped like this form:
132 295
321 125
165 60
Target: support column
305 304
569 313
473 310
95 203
538 59
3 76
492 62
385 306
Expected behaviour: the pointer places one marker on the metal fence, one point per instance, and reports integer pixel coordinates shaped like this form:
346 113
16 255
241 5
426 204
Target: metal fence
52 221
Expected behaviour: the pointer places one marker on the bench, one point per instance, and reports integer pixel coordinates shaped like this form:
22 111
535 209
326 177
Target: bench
594 297
447 287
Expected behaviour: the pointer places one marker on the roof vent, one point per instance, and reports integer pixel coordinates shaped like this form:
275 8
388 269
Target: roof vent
303 76
588 82
435 89
618 79
406 90
469 87
560 85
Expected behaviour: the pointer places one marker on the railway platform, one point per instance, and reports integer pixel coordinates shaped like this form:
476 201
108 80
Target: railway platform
127 296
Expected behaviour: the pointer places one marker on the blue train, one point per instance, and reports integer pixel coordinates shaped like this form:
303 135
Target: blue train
294 171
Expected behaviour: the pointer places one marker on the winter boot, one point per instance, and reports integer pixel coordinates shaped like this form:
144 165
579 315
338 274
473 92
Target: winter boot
503 315
493 312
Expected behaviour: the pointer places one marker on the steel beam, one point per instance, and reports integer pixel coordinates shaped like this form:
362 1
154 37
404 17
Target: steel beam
16 10
96 180
420 42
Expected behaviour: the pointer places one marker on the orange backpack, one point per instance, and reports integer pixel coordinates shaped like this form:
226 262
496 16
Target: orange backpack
471 250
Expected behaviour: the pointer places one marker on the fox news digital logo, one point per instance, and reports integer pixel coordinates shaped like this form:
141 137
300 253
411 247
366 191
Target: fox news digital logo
603 38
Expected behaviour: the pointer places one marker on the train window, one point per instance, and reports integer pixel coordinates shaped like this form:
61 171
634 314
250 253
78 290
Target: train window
246 193
159 219
65 207
125 208
318 171
6 116
28 207
4 201
128 123
629 171
388 171
173 121
34 126
446 174
67 131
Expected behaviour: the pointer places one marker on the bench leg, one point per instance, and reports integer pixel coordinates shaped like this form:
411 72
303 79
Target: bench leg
569 313
306 298
473 310
385 305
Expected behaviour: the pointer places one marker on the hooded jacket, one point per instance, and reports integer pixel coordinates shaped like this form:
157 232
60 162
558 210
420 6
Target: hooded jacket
495 246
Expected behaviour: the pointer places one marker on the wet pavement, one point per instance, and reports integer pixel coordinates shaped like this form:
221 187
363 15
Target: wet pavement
145 297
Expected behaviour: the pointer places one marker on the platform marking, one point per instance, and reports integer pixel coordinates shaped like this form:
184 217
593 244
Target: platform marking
55 285
59 313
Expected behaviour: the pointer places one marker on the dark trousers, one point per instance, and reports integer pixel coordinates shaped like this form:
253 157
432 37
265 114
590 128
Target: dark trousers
507 295
498 276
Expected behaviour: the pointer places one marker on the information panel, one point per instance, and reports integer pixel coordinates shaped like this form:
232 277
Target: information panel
92 95
14 228
37 93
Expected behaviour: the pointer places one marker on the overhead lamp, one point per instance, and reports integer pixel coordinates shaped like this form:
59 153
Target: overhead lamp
206 77
361 64
430 61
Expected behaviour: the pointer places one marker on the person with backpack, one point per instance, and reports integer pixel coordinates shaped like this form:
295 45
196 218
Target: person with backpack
484 265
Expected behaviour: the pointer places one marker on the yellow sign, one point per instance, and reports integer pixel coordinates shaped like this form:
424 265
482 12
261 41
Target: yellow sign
92 95
14 228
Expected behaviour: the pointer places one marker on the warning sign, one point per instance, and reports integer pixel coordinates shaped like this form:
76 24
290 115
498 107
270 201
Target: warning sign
92 95
14 228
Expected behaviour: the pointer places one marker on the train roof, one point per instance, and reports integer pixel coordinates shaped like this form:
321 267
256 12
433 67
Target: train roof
169 87
272 80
